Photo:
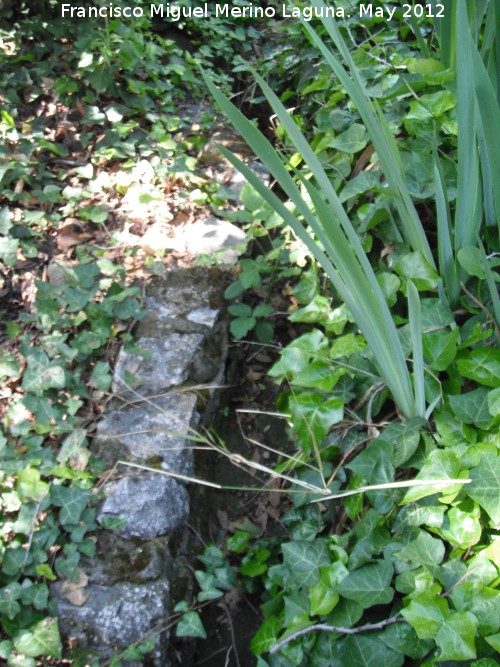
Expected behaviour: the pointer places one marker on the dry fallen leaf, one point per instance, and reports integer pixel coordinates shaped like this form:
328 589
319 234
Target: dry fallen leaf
69 236
76 592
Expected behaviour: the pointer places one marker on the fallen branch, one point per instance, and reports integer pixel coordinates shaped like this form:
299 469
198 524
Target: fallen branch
332 628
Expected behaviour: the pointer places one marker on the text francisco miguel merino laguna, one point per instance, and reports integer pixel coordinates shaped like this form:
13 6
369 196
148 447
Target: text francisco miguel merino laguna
176 12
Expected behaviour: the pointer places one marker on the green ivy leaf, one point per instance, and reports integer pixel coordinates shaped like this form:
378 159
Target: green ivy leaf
318 375
238 542
362 651
295 357
36 595
402 637
40 639
482 601
426 613
304 559
472 408
462 527
8 251
424 550
72 502
317 310
404 438
485 485
30 485
241 326
74 449
266 635
190 625
481 365
313 416
471 260
440 464
369 585
456 636
322 599
416 268
494 640
494 402
354 139
440 348
41 373
9 596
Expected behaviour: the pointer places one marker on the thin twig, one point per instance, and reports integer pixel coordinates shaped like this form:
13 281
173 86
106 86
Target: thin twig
332 628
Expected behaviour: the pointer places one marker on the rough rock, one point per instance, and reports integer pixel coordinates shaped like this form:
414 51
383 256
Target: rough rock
133 560
151 433
114 617
212 236
149 504
166 363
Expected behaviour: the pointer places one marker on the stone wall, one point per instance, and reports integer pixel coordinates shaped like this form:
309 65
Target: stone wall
162 395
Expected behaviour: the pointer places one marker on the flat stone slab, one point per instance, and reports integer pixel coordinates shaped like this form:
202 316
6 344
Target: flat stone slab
150 505
166 363
131 560
151 433
212 236
114 617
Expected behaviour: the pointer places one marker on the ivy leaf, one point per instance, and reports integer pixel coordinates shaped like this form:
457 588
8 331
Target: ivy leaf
482 601
416 268
304 560
494 640
352 140
40 639
73 449
241 326
485 485
470 259
72 502
313 415
402 637
8 251
36 595
481 365
440 348
472 408
426 613
456 636
318 375
440 464
9 595
266 635
30 484
368 586
461 526
190 625
362 651
424 550
405 439
41 373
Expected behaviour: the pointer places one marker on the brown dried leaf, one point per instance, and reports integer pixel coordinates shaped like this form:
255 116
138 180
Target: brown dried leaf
75 592
69 236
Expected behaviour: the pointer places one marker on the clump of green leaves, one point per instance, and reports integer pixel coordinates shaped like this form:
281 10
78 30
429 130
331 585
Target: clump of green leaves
395 559
47 472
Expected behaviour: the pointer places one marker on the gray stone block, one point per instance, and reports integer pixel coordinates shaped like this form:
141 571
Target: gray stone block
114 617
166 363
131 560
150 505
152 433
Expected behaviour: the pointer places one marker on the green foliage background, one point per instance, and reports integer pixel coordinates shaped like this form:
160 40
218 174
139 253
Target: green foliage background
388 182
